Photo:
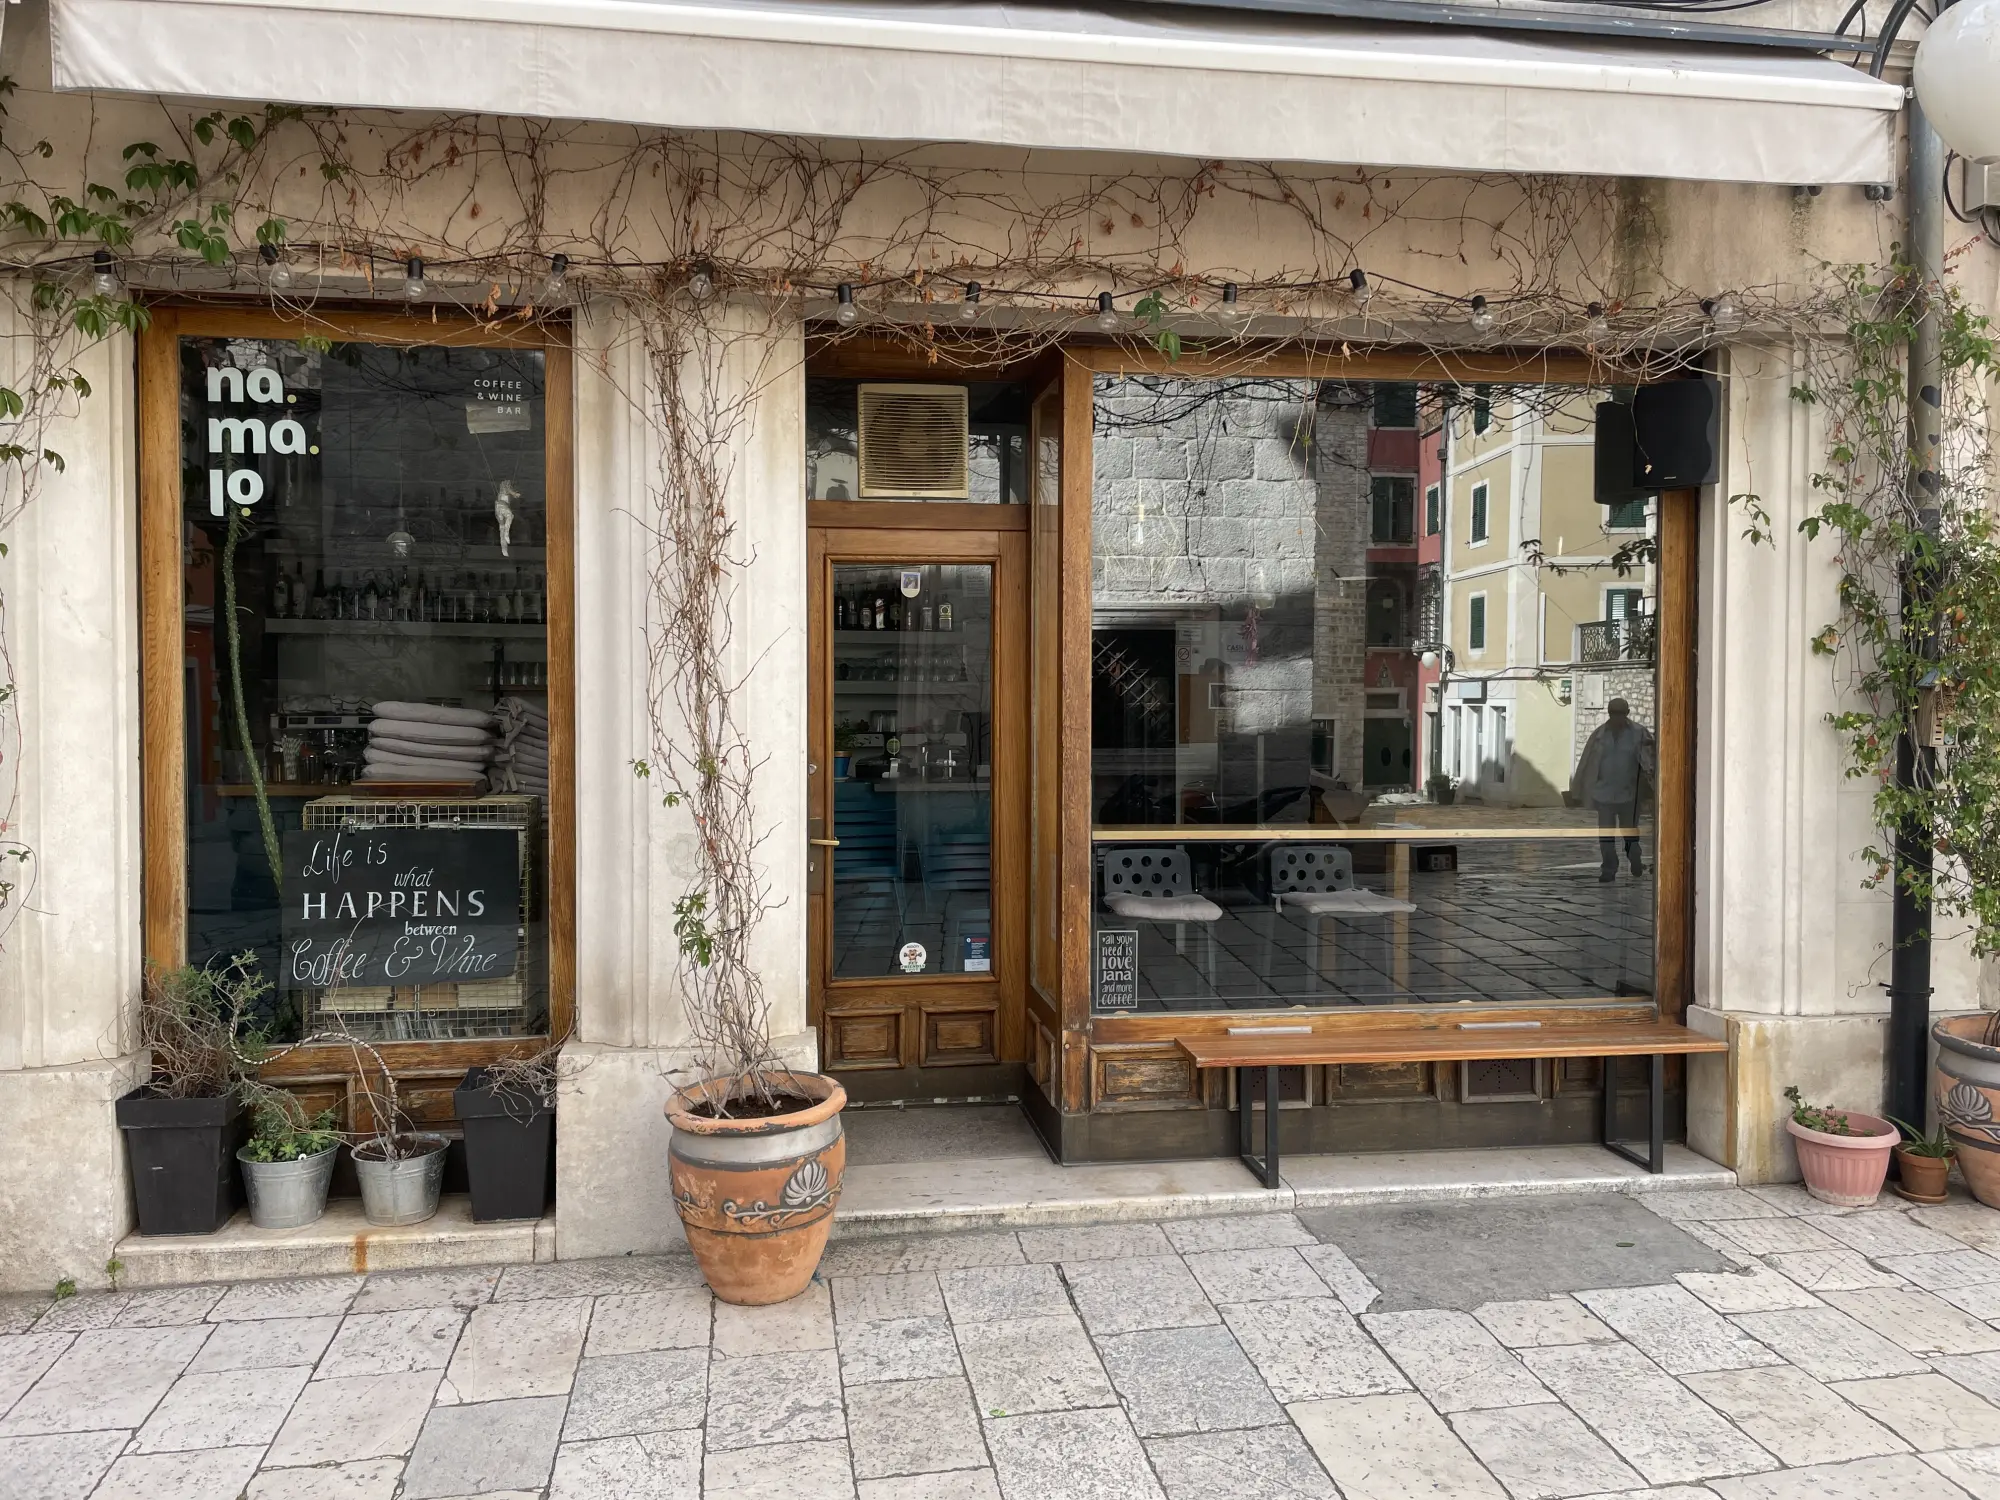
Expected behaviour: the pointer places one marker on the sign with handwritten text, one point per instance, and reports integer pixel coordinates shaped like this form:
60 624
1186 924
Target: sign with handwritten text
399 906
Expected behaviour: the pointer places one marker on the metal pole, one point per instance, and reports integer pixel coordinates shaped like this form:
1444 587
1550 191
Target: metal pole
1910 957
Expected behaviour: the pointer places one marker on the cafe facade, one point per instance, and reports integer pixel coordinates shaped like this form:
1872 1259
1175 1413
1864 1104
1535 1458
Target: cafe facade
1266 658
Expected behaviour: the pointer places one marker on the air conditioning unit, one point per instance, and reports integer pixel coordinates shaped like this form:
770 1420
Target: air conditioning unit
914 442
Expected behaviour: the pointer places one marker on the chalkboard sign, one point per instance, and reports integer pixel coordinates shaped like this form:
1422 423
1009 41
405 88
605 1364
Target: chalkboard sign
400 906
1117 968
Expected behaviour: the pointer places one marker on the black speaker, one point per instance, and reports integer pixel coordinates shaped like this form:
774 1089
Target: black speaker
1677 434
1616 454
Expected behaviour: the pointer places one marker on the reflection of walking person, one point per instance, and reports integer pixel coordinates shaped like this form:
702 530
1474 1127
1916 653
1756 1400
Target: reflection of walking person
1616 764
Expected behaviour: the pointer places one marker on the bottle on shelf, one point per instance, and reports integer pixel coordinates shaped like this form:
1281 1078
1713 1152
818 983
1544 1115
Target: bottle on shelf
281 594
944 615
881 613
317 608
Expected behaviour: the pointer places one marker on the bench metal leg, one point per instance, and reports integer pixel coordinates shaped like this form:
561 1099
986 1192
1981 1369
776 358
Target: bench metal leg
1266 1167
1655 1159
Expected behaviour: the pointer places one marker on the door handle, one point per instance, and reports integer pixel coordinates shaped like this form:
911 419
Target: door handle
825 843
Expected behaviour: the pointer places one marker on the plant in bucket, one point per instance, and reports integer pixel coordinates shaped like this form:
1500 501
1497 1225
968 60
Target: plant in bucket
400 1168
1923 1162
758 1152
1843 1154
288 1160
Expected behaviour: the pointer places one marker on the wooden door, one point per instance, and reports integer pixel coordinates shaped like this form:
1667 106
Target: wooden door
917 866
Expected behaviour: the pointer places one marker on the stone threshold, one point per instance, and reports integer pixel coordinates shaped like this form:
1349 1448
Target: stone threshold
1023 1191
341 1242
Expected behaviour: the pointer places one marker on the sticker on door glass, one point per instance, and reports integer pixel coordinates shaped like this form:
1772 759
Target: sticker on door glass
913 582
976 954
913 957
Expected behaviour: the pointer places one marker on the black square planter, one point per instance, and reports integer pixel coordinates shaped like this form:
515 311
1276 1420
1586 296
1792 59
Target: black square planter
509 1145
183 1158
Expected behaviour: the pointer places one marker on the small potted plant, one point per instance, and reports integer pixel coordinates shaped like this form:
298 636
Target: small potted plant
508 1112
288 1161
1843 1154
1443 790
1923 1162
843 751
183 1124
400 1168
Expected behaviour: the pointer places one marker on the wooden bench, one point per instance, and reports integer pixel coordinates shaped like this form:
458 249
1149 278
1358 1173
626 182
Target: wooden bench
1278 1046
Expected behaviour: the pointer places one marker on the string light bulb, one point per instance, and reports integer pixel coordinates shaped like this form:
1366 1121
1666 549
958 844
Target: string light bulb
413 277
701 281
969 308
277 272
1357 285
1482 315
1107 313
1722 313
556 283
1596 326
845 312
103 274
1229 309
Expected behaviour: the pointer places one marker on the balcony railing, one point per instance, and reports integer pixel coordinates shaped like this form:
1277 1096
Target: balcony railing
1630 639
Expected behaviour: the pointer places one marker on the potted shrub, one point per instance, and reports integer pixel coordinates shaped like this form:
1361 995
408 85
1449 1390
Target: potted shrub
1843 1154
1443 790
400 1168
1968 1094
843 751
288 1161
509 1115
758 1153
1923 1163
183 1125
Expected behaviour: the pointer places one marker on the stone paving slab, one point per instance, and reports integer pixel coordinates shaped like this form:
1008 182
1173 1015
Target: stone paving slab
1744 1345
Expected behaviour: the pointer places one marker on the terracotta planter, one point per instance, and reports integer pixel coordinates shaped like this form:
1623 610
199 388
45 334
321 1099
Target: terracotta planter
1967 1086
1847 1170
756 1196
1921 1179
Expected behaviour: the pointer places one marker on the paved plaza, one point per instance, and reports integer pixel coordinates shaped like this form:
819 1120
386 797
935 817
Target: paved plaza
1741 1344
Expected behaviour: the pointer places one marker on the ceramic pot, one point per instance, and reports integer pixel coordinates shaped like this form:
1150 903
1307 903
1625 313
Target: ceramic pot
1967 1086
404 1191
288 1194
1847 1170
756 1195
1921 1179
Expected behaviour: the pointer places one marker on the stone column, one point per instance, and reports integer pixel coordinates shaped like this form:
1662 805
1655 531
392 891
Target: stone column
1791 950
69 764
634 855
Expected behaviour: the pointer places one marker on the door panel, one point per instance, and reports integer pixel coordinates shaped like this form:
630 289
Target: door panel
916 869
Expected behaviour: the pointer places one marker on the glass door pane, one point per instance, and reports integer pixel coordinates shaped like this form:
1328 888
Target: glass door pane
913 769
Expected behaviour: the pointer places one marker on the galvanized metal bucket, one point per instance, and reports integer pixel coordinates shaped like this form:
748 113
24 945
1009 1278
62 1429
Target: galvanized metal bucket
288 1194
406 1191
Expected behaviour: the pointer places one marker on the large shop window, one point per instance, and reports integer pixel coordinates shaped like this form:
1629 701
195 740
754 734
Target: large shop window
366 668
1335 762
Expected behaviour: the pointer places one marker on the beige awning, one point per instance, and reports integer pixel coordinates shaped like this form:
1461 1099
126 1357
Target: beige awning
1206 85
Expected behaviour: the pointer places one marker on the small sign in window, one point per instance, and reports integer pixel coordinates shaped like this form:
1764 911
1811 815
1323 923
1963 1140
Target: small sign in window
1117 968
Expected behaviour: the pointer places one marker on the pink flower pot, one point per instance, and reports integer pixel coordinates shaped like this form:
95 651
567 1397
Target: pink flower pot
1847 1170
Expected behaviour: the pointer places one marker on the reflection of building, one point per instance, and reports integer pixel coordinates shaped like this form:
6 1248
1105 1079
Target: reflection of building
1543 597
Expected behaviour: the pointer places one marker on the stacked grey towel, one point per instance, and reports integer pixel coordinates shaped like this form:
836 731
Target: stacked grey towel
428 742
521 764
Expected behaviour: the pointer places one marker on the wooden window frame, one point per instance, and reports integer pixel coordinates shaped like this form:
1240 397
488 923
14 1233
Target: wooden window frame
1082 1035
162 705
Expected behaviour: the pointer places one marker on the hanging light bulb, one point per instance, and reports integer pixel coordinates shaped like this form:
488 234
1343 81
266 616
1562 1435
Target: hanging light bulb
846 313
1597 325
701 281
1482 315
1722 313
1357 284
1107 313
277 274
969 308
1229 310
103 274
413 277
556 284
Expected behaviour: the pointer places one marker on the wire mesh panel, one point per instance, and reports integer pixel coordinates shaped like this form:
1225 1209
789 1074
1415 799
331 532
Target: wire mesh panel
514 1005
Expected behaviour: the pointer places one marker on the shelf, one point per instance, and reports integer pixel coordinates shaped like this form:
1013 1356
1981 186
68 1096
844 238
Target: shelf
463 629
885 638
350 789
